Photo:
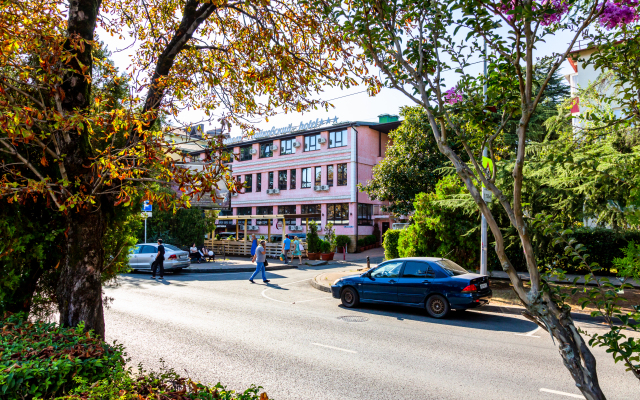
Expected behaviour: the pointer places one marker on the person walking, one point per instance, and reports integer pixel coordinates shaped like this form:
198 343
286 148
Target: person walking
159 262
254 244
260 257
296 250
286 246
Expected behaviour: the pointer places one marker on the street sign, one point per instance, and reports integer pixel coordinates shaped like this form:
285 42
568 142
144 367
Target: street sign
486 195
146 206
146 214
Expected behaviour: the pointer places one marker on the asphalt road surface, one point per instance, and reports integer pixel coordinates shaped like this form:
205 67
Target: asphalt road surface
295 342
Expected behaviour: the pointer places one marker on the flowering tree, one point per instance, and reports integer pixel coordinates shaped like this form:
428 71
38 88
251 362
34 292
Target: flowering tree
414 42
68 146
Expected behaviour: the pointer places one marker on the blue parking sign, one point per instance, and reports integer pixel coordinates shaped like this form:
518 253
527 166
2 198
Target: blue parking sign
146 206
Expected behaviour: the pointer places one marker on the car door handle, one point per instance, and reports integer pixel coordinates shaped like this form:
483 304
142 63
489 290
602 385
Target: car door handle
426 281
392 281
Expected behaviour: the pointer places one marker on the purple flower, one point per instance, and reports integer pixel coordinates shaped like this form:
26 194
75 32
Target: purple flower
620 13
452 96
560 7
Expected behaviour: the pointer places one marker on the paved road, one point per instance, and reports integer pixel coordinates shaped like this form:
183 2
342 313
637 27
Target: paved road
289 338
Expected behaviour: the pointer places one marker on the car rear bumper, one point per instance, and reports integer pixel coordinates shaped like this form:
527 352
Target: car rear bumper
464 301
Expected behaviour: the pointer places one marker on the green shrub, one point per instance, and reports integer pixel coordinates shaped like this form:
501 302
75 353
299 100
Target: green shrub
370 240
325 246
343 241
441 227
313 240
391 244
42 359
166 384
361 242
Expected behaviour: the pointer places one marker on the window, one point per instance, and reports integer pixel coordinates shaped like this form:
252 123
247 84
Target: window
282 180
337 139
292 178
248 183
416 269
245 153
288 210
270 180
258 182
286 146
244 211
148 250
318 176
388 270
330 175
365 213
338 213
311 142
225 213
450 268
266 150
342 174
264 210
311 209
306 178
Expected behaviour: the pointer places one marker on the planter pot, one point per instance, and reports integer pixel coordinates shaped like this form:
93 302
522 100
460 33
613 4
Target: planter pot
313 256
327 256
377 245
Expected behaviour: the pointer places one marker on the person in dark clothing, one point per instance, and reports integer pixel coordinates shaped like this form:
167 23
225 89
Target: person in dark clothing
159 262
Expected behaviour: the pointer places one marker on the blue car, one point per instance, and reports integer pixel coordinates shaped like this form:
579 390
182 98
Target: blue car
437 284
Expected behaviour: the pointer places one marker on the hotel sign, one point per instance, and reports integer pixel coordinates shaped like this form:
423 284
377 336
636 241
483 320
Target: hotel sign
284 130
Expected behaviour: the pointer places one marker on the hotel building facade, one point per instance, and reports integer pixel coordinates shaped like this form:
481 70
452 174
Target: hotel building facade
310 171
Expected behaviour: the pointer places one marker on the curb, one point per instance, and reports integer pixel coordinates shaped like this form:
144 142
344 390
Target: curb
227 270
319 286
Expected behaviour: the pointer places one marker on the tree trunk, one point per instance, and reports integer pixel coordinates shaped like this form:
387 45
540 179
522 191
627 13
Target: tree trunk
575 353
80 284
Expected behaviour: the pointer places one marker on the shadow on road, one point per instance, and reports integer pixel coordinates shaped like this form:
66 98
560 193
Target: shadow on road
475 319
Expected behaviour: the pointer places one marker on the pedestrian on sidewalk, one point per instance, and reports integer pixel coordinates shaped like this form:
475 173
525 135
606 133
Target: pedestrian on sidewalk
194 254
296 250
159 262
286 246
254 244
260 257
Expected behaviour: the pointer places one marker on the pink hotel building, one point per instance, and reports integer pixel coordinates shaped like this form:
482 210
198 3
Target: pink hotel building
311 171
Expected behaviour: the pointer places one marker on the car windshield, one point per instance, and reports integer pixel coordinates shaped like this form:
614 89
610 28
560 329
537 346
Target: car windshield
451 268
171 247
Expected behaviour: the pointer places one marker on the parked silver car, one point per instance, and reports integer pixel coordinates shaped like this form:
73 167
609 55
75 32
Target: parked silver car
144 254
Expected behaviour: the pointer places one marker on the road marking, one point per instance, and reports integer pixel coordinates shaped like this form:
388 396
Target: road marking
575 396
290 302
529 334
334 348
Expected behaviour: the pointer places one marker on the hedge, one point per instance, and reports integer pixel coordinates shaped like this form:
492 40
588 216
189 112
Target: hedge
41 359
391 244
602 245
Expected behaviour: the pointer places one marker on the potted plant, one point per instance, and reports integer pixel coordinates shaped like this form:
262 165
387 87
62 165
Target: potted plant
217 236
313 242
342 241
376 233
325 248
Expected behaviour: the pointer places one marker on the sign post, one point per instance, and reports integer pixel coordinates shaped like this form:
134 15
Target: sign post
146 211
486 196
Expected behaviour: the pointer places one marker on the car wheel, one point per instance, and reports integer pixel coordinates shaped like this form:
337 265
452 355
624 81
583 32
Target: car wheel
349 297
437 306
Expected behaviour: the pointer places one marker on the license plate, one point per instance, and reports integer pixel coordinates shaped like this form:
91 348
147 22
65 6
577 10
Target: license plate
183 257
483 286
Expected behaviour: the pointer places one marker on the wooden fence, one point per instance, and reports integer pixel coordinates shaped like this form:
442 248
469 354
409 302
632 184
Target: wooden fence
243 248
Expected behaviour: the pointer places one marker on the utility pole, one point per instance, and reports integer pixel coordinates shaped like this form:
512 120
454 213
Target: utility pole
486 194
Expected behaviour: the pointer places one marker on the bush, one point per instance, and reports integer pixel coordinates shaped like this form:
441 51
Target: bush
325 246
42 359
391 244
343 241
166 384
360 242
313 241
370 240
442 226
